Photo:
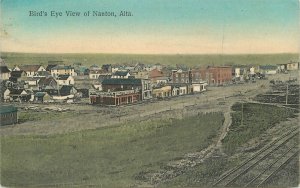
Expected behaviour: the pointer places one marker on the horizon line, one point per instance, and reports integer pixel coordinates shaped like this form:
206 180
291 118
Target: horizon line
119 53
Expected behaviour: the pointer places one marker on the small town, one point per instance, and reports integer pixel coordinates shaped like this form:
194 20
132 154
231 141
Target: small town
115 85
156 94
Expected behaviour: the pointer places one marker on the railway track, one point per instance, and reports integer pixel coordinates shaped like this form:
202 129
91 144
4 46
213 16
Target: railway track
275 155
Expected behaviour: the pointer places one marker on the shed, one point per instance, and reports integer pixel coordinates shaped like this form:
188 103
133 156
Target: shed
8 115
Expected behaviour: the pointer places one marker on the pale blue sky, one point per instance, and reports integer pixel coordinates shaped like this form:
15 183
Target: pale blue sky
157 26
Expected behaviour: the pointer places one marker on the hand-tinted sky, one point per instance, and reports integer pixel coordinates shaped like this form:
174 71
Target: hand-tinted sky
157 26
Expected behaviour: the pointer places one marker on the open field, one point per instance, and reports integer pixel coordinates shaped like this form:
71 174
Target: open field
190 60
241 143
110 157
257 118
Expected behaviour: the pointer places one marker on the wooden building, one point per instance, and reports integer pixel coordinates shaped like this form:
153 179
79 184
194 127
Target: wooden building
8 115
116 98
143 87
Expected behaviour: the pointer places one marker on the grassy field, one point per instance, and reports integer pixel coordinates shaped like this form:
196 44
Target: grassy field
190 60
111 157
25 116
257 119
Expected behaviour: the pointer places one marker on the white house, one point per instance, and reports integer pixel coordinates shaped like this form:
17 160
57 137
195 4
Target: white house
199 87
292 66
237 72
182 90
121 74
31 82
94 74
252 70
30 70
65 80
268 69
4 73
62 70
6 96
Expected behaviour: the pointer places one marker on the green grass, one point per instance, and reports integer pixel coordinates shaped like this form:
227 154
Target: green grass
190 60
257 119
201 175
111 157
24 116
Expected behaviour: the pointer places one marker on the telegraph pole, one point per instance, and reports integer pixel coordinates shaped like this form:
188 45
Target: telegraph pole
287 94
242 121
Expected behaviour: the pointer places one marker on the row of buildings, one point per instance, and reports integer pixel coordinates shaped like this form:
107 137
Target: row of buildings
120 84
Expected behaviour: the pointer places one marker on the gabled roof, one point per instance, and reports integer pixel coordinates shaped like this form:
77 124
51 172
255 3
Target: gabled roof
16 74
31 68
62 67
63 77
65 90
155 73
121 73
16 91
106 67
94 66
43 73
268 67
50 66
93 71
4 69
116 81
7 109
46 80
50 88
81 68
40 94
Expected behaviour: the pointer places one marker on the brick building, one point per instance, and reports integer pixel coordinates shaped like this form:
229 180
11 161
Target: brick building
212 75
181 76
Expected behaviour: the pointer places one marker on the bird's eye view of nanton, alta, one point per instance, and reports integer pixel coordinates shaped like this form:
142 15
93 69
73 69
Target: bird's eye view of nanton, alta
139 93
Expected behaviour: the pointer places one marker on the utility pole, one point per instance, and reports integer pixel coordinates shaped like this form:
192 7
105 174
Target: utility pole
242 121
287 94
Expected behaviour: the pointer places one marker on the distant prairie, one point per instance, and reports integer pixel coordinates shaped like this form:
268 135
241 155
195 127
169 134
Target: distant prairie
197 60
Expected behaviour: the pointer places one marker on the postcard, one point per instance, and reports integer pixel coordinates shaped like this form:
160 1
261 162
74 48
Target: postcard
140 93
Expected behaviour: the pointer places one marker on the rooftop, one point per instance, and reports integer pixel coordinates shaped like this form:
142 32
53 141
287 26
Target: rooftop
62 67
8 109
4 69
116 81
31 68
63 77
121 73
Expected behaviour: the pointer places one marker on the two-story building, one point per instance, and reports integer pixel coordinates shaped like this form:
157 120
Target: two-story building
143 87
181 76
62 70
